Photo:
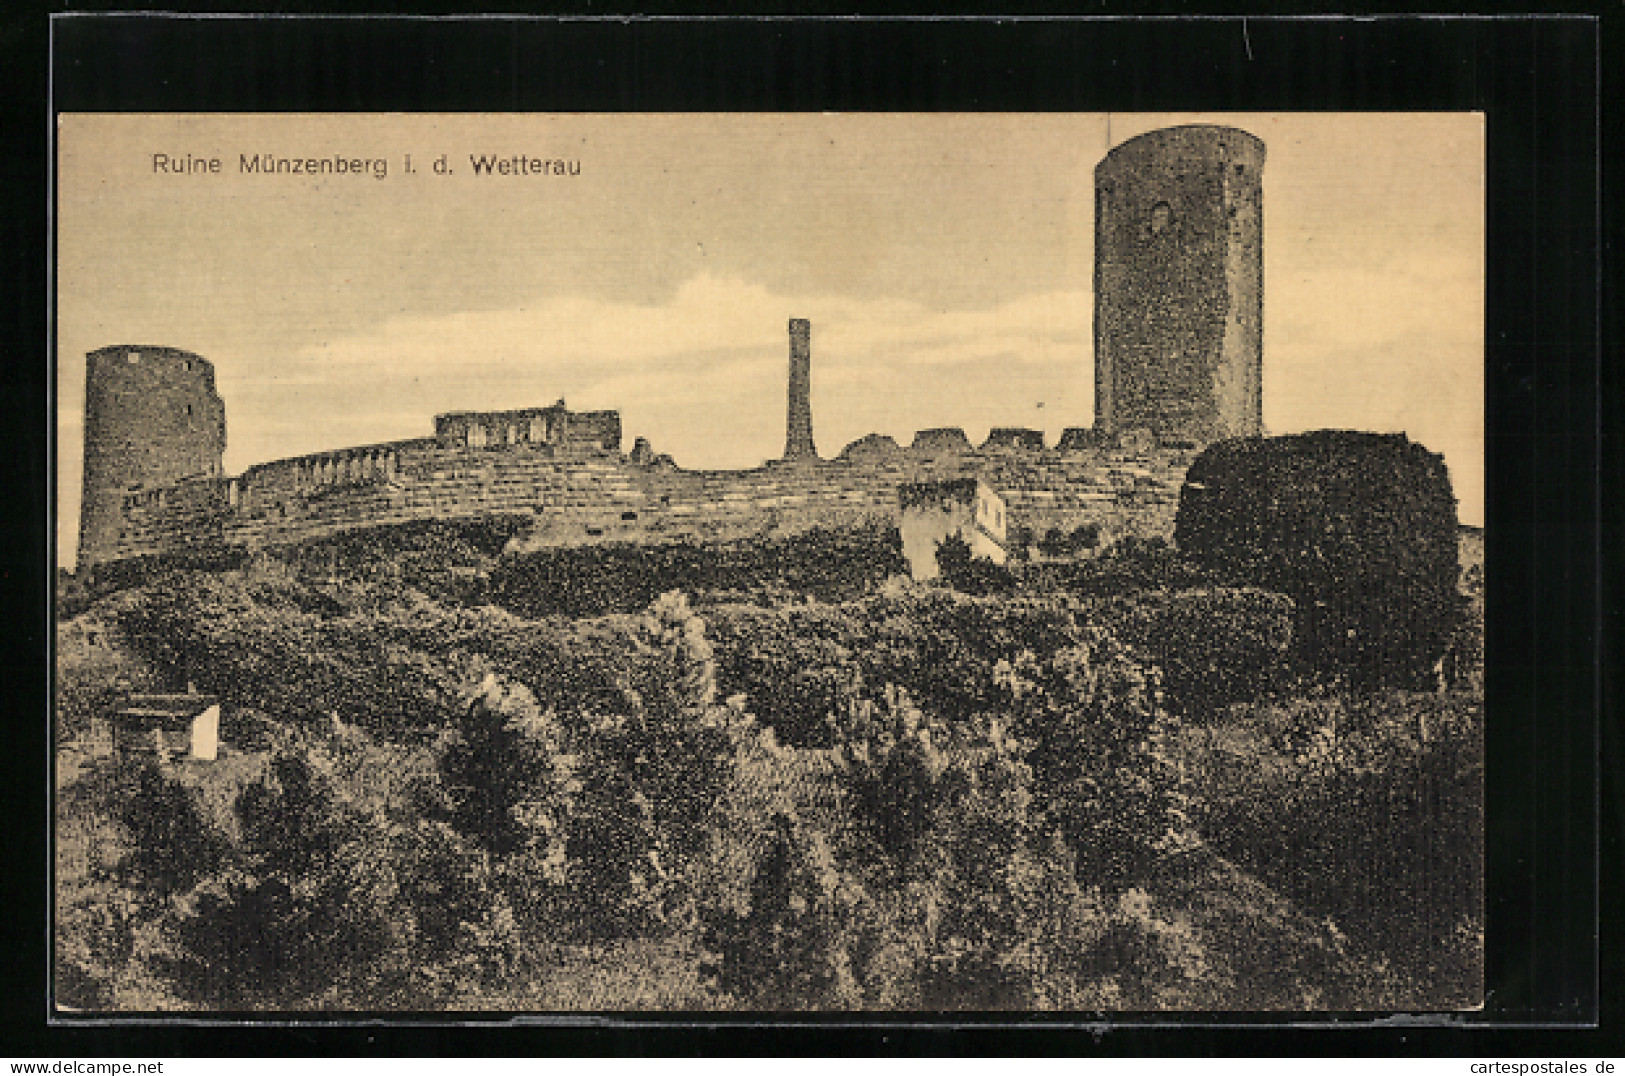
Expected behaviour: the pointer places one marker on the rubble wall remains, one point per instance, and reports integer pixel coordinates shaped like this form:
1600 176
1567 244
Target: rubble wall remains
1178 365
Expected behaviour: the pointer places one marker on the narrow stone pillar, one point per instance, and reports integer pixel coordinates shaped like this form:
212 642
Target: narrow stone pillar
798 435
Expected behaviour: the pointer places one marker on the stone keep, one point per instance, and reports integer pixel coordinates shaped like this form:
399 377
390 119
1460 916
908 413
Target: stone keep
152 419
1179 286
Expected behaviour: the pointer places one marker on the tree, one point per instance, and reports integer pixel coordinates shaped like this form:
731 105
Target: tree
1103 771
970 574
651 776
505 770
789 948
334 896
305 905
173 842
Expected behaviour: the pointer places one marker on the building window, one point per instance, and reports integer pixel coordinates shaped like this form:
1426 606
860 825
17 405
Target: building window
629 516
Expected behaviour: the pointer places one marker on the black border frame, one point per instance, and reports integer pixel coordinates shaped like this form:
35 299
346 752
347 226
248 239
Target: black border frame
1540 80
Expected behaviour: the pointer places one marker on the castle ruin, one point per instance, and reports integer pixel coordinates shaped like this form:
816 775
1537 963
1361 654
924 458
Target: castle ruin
1178 360
1179 285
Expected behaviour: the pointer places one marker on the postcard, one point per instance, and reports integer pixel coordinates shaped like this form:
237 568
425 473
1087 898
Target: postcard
739 563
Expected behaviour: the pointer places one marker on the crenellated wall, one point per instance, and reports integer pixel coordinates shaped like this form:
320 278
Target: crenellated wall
580 492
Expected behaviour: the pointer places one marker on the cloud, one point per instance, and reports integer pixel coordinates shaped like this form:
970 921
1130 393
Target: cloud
1335 307
706 315
702 374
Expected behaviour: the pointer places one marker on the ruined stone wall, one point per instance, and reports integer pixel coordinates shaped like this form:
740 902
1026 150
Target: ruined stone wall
555 425
186 515
1178 361
583 494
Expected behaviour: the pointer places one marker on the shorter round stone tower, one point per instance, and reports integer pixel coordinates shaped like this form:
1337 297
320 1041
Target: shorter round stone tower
152 418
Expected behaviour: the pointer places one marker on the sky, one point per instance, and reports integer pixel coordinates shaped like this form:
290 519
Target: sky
945 261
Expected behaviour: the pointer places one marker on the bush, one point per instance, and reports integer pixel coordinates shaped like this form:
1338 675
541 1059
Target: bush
304 907
801 668
505 772
100 902
94 671
945 819
1129 566
1062 543
1103 770
131 573
916 799
1358 529
261 640
1215 646
796 668
790 949
1369 811
830 564
651 777
95 939
72 597
972 575
334 892
174 842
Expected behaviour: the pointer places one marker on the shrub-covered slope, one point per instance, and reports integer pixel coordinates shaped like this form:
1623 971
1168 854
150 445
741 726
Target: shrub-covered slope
908 799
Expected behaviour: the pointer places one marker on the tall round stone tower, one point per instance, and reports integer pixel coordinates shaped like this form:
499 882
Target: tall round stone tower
1179 285
152 418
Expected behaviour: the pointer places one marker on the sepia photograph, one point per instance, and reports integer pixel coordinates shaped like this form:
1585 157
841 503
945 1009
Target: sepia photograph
730 563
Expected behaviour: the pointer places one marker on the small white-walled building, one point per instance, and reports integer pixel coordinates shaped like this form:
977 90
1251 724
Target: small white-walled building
934 511
169 725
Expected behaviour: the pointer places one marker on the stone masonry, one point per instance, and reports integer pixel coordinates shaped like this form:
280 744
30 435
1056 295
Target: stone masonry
584 492
1178 364
1179 285
152 419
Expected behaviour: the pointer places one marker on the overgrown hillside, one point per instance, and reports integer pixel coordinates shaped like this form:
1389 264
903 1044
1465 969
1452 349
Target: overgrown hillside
785 779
